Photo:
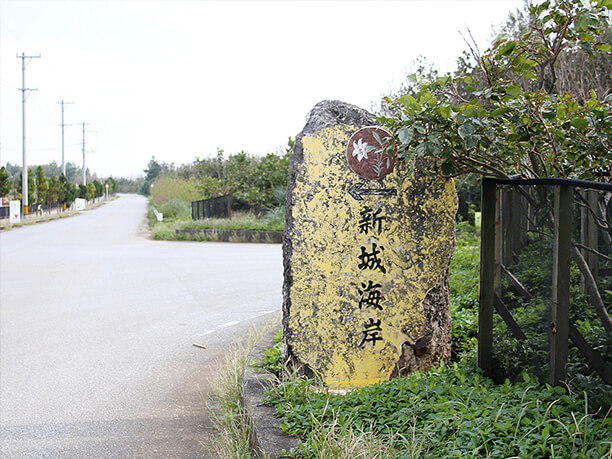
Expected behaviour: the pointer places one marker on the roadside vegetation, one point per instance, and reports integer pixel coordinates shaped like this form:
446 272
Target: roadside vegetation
257 184
454 411
225 404
50 192
6 225
49 188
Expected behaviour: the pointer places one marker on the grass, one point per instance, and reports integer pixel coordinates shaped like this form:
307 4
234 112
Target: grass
225 404
272 362
335 439
452 411
175 219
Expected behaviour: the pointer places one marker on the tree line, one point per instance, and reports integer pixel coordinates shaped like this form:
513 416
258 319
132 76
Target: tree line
259 181
50 188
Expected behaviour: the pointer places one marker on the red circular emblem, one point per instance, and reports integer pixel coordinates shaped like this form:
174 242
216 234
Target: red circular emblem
366 155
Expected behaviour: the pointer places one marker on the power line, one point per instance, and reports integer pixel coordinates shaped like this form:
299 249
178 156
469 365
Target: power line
63 125
24 91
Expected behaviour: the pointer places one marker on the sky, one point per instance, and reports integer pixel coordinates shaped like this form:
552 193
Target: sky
180 79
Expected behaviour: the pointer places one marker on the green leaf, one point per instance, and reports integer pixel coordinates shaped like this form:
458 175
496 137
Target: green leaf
466 130
587 38
514 90
507 48
500 111
445 111
471 141
580 123
409 102
405 135
559 135
529 75
545 431
587 47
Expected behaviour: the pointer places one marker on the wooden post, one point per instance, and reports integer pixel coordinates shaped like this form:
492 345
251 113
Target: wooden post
499 242
590 232
487 276
592 239
523 221
510 229
560 284
516 224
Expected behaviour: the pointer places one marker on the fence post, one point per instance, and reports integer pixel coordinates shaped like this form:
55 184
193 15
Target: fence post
509 225
560 284
487 275
499 241
588 233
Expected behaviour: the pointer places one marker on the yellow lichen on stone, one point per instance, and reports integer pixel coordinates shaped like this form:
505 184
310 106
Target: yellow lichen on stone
415 244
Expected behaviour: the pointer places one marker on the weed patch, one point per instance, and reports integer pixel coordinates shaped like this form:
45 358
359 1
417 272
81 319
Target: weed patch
225 405
272 361
456 412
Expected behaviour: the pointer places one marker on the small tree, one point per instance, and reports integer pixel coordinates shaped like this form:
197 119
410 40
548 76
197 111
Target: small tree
90 192
42 186
82 191
31 187
54 191
5 182
152 171
508 117
99 189
112 185
68 191
486 122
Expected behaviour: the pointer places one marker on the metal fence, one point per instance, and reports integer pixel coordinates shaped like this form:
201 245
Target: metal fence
221 207
212 208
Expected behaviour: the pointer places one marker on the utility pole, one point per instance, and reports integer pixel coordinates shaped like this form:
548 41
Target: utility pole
84 170
63 125
24 91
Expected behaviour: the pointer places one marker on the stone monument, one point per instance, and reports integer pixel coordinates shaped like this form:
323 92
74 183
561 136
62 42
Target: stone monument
366 252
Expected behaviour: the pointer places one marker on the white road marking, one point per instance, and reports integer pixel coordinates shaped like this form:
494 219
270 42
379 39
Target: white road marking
236 322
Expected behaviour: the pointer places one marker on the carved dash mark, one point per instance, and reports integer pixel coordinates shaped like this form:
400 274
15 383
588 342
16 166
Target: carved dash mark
357 191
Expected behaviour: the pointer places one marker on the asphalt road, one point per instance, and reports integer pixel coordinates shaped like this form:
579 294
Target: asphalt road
97 325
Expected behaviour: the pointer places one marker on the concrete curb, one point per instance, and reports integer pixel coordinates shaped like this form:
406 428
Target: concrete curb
266 439
270 237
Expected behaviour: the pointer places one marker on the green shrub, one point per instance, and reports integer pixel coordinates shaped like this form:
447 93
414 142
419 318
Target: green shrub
168 188
275 218
164 231
175 209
